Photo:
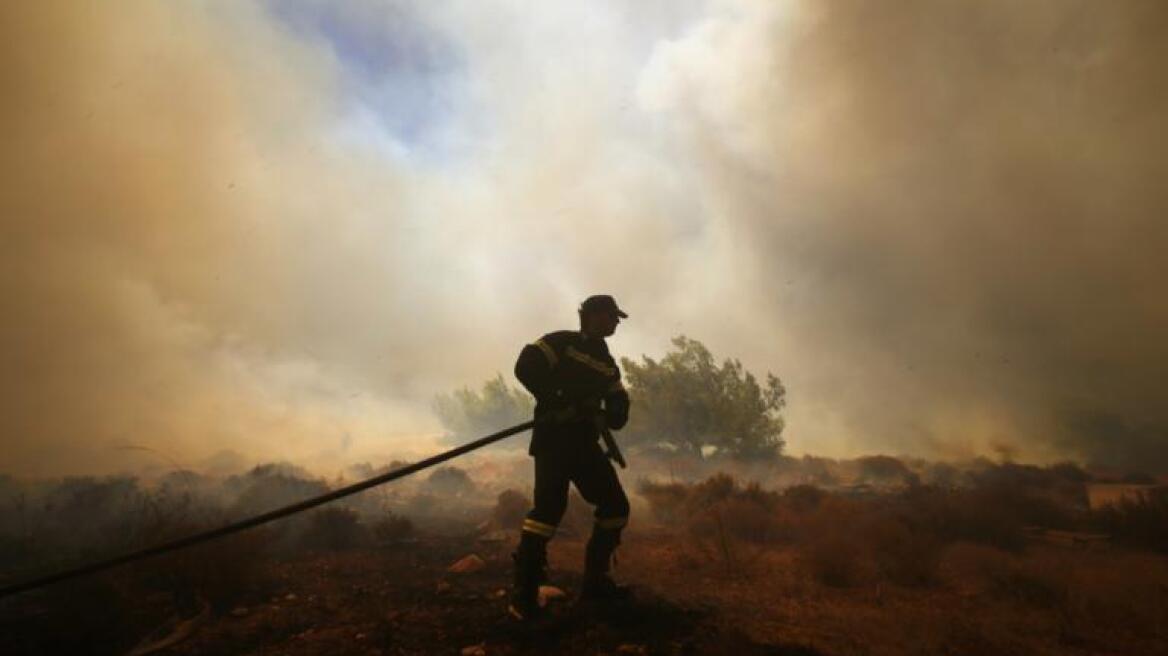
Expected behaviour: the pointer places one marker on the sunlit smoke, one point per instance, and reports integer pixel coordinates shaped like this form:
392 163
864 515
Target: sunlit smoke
281 228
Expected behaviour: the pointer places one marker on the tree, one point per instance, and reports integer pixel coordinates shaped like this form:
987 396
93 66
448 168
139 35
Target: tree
684 402
467 413
688 402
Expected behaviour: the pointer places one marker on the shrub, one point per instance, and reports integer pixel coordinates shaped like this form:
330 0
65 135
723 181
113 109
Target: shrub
392 527
741 519
719 487
450 481
267 487
95 512
834 556
977 516
1009 576
676 501
1029 582
803 498
334 529
883 469
467 413
1038 496
511 507
831 548
666 500
1140 521
222 571
820 471
903 554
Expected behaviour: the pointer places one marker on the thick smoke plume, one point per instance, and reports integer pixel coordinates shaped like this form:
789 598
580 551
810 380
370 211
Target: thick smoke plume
280 228
956 210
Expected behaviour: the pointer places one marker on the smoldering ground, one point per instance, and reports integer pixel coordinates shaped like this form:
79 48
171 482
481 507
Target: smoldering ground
282 229
45 522
424 564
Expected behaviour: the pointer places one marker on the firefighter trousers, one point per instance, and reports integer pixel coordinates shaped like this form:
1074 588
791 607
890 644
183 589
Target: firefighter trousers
585 466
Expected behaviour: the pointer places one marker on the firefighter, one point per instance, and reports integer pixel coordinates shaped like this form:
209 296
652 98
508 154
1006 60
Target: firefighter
576 383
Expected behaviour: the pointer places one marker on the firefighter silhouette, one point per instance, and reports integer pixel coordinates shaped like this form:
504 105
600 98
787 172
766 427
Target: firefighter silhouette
578 392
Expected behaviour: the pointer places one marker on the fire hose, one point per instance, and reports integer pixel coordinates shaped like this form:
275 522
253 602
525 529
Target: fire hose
264 518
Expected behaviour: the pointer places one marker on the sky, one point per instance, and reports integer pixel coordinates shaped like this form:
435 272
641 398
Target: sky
280 228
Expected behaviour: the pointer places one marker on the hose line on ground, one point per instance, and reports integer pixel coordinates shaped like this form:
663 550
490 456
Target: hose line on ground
270 516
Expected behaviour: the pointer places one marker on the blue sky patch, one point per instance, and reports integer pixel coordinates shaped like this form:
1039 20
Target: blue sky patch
397 69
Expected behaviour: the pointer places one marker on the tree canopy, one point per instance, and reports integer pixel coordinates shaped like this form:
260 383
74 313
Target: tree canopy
467 413
685 401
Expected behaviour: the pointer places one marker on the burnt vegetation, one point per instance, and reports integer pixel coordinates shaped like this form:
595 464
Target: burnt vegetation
1036 567
1003 541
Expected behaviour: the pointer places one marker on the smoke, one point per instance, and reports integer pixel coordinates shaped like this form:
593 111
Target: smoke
281 228
167 237
956 206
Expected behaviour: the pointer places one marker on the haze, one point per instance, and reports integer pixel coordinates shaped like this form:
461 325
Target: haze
279 228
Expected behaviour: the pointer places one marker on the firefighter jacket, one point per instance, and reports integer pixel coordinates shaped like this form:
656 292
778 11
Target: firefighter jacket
568 369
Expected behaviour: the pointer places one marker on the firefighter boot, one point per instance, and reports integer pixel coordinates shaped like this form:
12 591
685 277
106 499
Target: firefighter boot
530 570
598 585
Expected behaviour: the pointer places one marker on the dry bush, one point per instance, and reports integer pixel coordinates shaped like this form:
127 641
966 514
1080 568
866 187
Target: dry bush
722 517
334 529
222 571
845 546
835 558
673 502
110 611
391 527
450 481
820 471
666 500
903 554
1033 582
830 548
968 564
89 515
17 551
422 505
942 474
1099 600
511 507
742 519
1122 596
1051 497
960 633
718 487
1141 521
1040 579
962 515
803 498
846 542
884 469
90 615
267 487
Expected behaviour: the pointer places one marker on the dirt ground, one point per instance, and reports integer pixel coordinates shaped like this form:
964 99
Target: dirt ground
691 599
396 599
379 602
